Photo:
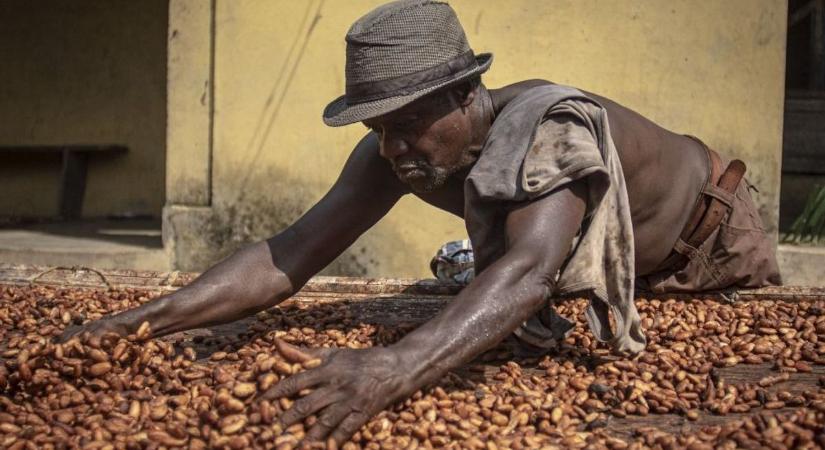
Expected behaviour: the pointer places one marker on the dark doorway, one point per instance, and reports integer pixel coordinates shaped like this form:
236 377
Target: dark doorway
803 155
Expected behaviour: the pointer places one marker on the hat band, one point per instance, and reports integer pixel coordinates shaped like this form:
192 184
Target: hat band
410 83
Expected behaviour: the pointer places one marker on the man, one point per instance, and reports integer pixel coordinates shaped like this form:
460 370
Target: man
563 192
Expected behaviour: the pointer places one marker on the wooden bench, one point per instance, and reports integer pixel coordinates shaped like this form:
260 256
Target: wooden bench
73 173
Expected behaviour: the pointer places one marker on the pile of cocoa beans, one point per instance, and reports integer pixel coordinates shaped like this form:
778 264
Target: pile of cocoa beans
204 392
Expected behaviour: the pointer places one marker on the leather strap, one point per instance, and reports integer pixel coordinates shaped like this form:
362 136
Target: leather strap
717 208
702 205
715 200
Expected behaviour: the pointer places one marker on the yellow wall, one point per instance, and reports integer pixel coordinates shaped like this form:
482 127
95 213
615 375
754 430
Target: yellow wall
709 68
83 72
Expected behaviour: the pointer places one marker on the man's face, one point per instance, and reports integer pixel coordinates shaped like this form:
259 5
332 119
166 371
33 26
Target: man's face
427 140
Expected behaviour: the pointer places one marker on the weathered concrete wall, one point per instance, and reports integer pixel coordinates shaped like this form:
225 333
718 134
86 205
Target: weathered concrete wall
708 68
83 72
189 109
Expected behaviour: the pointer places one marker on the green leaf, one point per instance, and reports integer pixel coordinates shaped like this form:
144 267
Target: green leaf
810 224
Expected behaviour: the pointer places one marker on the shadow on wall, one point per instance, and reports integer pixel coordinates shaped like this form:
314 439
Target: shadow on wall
83 72
257 214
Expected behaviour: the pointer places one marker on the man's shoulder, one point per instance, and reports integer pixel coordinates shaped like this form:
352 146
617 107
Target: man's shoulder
502 96
520 98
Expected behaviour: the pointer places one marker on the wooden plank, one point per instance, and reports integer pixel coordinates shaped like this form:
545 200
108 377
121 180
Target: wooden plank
803 134
741 373
78 276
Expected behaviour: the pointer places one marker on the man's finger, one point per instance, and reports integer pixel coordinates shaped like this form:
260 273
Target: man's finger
354 421
68 333
296 354
308 405
293 384
328 420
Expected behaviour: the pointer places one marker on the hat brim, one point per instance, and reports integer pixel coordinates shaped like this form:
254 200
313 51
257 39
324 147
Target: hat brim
339 112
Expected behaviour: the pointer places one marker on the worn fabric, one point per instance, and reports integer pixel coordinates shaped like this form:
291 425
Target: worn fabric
453 262
522 161
738 254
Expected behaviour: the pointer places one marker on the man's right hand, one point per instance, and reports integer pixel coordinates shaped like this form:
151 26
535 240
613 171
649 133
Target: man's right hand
97 328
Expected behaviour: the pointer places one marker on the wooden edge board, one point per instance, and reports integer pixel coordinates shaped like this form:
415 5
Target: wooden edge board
78 276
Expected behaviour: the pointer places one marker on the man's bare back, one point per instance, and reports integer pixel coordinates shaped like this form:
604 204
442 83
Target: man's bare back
664 172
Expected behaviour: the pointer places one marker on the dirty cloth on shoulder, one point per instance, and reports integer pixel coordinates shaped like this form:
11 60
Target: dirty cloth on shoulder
545 138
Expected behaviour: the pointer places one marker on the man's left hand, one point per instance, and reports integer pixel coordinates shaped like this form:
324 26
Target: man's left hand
349 387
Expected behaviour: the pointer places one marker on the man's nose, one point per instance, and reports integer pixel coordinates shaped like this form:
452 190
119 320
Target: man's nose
393 147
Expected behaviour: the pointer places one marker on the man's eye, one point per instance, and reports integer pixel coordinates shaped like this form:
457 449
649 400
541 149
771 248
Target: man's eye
406 124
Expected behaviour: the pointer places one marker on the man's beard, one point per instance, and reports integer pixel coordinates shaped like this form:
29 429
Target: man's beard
422 177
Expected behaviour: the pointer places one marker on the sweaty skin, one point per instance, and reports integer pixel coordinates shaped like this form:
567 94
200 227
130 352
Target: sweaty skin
427 148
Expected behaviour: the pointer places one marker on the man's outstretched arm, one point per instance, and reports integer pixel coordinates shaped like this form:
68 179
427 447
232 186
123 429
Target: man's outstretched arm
353 385
265 273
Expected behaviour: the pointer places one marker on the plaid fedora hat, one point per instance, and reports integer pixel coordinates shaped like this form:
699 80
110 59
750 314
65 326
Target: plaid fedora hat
399 53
